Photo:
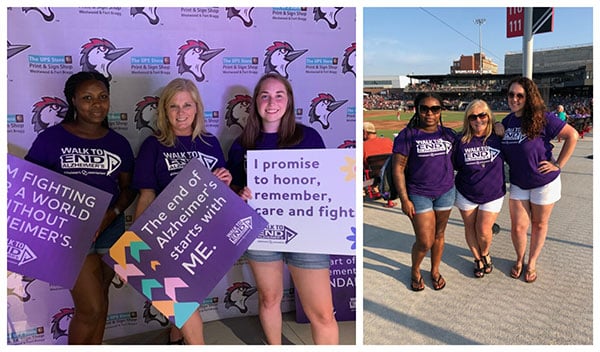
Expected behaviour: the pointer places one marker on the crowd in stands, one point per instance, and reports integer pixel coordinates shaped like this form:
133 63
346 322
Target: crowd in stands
575 106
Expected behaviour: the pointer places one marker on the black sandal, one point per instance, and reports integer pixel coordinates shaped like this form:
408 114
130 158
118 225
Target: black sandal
487 263
417 285
438 284
479 269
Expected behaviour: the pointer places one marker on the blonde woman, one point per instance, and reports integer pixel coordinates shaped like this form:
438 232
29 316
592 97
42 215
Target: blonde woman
479 182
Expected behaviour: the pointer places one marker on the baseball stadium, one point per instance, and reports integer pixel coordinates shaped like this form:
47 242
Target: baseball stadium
564 76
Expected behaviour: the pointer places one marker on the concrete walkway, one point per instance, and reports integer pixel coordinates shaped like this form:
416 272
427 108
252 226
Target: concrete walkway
496 310
242 331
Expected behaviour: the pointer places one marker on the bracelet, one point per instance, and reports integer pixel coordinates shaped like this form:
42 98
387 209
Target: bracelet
116 211
556 164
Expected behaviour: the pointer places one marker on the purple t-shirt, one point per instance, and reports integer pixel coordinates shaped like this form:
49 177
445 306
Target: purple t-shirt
429 171
96 162
156 165
236 162
523 155
480 176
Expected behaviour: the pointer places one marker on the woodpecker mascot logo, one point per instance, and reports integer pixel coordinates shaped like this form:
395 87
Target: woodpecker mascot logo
14 49
60 322
321 107
349 61
238 110
45 12
18 286
278 57
48 112
327 14
148 12
237 295
98 54
151 314
243 13
192 57
145 113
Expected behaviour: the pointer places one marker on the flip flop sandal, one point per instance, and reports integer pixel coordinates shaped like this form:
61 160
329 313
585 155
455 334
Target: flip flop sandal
417 285
516 271
438 284
530 276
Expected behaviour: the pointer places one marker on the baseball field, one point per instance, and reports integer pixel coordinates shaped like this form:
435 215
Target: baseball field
387 122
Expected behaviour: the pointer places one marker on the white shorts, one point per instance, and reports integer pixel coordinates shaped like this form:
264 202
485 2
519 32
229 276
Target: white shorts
464 204
544 195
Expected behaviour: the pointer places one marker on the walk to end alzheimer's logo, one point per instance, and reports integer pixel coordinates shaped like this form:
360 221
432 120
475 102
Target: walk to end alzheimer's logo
185 242
49 216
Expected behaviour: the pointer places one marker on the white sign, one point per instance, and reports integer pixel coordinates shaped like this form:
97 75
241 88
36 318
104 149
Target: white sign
308 198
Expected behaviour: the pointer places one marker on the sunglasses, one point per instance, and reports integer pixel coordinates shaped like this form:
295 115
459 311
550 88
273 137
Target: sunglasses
424 109
481 116
519 96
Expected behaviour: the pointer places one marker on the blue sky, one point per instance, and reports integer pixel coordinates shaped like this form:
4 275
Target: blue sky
413 40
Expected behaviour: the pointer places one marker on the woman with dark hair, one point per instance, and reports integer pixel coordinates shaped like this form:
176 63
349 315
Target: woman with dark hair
424 177
272 125
534 173
479 182
85 131
181 135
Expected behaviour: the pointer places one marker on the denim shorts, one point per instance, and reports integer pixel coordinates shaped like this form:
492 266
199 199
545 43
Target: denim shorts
109 236
424 204
299 260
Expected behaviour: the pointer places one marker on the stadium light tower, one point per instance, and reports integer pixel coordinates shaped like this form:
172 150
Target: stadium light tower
479 22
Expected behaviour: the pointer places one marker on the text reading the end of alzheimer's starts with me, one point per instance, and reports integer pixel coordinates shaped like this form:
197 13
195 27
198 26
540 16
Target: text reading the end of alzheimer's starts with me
191 202
296 188
42 208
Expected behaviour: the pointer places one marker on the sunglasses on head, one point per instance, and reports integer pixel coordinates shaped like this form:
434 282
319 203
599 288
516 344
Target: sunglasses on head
481 116
434 109
519 96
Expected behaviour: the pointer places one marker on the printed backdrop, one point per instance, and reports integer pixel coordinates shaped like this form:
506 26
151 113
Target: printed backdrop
225 51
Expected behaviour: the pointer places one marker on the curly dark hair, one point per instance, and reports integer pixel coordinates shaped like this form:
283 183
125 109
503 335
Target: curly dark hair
533 119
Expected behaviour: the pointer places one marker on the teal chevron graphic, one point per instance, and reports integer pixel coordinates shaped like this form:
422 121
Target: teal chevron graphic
136 247
183 311
148 285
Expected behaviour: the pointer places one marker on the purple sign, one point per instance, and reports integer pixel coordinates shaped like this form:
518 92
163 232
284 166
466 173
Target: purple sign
51 222
178 250
342 277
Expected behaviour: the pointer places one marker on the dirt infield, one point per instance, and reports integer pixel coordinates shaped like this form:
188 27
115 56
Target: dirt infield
372 116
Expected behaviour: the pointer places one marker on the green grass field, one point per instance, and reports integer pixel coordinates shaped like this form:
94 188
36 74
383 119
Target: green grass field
452 119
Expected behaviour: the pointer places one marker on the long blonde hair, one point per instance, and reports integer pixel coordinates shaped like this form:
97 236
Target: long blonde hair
467 130
165 134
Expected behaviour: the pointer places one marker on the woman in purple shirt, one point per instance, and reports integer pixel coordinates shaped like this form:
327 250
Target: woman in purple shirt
479 182
534 173
181 135
83 132
424 177
272 125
